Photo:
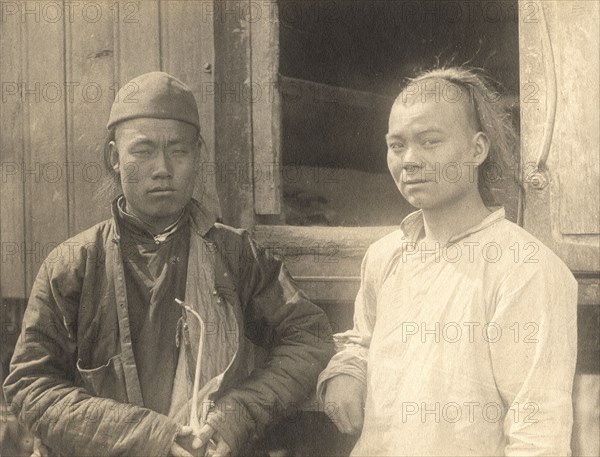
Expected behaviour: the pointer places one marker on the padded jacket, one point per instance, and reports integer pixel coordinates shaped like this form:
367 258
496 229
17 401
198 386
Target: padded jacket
73 379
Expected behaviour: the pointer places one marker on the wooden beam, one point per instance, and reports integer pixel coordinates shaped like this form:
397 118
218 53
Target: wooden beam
89 66
233 116
12 235
46 186
266 115
300 90
188 53
137 46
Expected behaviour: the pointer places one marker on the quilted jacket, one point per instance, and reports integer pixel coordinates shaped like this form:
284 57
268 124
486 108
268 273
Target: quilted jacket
73 378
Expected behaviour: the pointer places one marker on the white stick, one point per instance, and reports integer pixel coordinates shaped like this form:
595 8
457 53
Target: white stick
194 420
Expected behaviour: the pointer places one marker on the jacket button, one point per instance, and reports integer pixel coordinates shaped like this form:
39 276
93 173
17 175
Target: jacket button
214 293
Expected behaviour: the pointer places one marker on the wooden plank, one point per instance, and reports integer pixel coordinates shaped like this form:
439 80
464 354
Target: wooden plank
46 209
326 260
546 210
578 73
12 235
311 92
349 239
89 70
233 116
538 37
330 290
187 52
137 47
266 115
11 316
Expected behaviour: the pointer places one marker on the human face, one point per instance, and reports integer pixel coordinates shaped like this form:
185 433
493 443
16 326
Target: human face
156 160
433 151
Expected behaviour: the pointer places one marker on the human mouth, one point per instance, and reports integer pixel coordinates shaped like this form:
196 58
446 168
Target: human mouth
412 178
412 174
161 190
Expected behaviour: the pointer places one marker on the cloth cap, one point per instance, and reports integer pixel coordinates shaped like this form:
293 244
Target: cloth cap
154 95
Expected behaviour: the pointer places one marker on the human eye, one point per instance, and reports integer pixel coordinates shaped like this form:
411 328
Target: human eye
396 146
431 142
179 152
141 152
141 148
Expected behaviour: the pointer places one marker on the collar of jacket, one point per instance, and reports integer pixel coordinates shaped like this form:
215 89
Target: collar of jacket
413 224
202 220
201 223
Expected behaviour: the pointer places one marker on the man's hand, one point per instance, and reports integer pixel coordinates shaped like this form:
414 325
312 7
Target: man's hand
345 400
177 450
207 437
39 448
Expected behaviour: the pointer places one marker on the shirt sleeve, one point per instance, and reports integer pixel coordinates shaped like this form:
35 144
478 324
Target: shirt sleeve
41 386
352 346
297 336
534 350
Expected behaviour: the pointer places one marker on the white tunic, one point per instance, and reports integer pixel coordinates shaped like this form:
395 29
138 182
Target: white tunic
466 350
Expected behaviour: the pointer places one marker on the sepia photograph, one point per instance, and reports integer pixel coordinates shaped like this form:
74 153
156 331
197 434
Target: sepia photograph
299 228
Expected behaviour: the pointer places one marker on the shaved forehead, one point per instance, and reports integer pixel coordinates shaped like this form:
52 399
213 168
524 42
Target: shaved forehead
440 90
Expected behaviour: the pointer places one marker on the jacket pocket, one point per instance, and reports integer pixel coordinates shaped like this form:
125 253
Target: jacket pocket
105 381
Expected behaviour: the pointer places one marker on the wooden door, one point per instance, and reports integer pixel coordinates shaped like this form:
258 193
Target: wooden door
61 66
559 61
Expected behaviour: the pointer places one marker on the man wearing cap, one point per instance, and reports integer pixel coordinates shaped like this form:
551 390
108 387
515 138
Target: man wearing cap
107 359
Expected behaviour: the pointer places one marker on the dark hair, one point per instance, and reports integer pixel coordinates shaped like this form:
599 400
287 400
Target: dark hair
492 117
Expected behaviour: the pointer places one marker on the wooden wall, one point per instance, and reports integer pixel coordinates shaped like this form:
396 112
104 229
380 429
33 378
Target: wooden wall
559 127
60 70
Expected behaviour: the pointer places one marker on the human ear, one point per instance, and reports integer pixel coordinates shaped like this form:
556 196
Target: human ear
481 148
114 156
200 144
200 150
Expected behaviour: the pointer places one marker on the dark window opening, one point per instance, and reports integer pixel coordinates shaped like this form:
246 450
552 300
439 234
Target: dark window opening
341 66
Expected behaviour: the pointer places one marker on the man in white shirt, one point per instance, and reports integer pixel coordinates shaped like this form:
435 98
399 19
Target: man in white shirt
465 326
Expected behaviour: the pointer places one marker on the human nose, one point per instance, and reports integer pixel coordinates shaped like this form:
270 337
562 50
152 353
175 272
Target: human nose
412 164
162 165
410 156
